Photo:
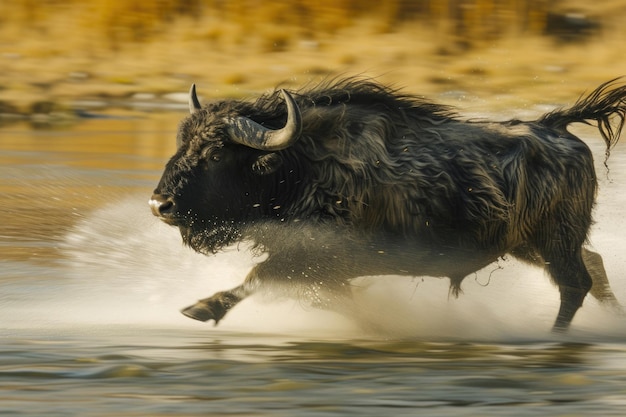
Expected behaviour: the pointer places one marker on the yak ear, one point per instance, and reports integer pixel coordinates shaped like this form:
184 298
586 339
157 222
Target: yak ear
267 164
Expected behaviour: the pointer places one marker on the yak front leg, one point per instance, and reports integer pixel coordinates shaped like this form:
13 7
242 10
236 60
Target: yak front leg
216 306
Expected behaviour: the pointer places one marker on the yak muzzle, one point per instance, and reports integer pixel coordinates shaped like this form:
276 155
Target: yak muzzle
162 206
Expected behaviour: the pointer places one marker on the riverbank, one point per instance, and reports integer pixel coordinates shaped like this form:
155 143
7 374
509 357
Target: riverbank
49 74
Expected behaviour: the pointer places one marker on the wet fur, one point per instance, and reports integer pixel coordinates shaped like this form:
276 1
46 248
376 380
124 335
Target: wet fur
385 169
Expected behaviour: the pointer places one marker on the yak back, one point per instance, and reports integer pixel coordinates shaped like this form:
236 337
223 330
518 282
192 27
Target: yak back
378 160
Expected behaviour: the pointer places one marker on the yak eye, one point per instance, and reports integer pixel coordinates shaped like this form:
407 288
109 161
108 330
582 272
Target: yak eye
213 155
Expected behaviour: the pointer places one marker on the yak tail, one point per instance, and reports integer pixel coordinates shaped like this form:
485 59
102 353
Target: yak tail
606 105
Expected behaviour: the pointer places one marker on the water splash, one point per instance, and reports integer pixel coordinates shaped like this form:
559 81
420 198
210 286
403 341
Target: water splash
120 266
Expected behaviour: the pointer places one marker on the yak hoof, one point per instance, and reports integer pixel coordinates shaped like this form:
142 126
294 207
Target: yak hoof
200 312
213 308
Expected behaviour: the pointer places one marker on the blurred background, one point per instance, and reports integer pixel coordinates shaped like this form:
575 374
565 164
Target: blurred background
62 54
91 284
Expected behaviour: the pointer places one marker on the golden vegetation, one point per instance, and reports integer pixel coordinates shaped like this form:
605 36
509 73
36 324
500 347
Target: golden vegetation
61 49
115 22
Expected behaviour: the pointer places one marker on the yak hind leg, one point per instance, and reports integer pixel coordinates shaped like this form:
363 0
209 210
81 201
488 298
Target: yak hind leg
564 262
600 289
574 282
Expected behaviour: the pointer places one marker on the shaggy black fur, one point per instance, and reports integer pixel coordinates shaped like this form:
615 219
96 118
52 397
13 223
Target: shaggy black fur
381 182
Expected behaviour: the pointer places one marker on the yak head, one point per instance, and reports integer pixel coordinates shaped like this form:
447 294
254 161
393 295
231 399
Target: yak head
220 176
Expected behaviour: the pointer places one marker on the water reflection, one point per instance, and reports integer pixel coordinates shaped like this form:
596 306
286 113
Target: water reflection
50 179
193 373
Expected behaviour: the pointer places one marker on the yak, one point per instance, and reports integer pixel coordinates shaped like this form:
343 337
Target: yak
352 178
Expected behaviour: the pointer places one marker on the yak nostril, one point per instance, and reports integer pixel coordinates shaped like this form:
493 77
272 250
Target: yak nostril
166 207
161 205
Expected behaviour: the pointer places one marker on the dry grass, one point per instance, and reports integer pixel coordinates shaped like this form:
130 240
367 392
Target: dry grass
62 49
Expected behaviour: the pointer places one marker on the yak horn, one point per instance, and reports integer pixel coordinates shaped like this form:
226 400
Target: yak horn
247 132
194 103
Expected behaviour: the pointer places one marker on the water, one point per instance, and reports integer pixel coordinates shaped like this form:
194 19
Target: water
91 285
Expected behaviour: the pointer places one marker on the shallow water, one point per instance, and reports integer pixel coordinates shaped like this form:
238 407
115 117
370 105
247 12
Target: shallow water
91 285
